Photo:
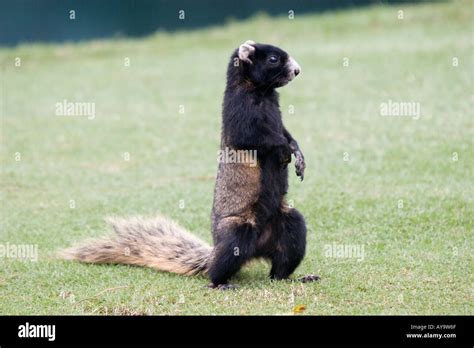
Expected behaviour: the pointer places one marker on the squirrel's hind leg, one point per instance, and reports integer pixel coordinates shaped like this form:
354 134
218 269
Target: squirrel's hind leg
290 230
235 246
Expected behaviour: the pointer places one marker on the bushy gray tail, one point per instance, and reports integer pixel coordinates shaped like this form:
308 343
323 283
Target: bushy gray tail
157 242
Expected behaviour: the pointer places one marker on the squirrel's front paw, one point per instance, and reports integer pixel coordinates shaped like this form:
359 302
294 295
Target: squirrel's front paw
300 164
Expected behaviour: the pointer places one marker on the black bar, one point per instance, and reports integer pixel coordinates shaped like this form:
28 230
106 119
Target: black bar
294 331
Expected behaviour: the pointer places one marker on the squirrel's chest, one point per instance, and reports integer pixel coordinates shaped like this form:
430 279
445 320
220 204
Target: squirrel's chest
271 115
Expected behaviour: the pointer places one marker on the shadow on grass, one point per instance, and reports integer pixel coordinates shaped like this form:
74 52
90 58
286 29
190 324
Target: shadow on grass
60 21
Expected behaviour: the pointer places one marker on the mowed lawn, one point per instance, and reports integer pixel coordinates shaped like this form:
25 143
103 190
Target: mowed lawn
401 188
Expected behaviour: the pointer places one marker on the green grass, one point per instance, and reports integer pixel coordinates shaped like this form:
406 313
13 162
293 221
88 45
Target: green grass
418 259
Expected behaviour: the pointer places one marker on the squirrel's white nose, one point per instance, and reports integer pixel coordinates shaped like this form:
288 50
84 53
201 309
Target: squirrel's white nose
293 66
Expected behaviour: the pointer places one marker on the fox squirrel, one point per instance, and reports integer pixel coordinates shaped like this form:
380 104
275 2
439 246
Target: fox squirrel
250 217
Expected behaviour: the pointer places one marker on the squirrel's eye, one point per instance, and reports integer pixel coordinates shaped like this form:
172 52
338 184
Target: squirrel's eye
273 59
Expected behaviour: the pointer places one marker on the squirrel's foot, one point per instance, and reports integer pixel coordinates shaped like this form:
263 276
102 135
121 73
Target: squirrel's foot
300 164
309 278
223 286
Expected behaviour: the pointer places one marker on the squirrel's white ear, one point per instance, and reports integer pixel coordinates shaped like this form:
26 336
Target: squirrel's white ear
245 50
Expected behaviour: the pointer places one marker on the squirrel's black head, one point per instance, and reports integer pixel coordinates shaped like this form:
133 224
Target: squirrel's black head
264 65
